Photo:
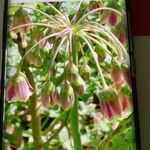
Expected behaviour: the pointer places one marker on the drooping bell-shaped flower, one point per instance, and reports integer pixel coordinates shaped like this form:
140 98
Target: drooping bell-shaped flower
66 96
49 94
110 18
85 71
110 104
125 96
117 75
71 71
21 17
79 86
113 19
18 88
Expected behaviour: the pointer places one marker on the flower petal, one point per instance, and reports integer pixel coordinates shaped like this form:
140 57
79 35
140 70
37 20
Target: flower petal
10 93
24 91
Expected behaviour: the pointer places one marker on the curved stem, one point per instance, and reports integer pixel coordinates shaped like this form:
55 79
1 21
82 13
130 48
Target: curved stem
101 29
104 41
55 55
41 12
74 119
58 48
98 43
31 24
35 120
96 62
45 38
98 9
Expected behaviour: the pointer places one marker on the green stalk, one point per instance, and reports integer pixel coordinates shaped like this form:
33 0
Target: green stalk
96 62
74 119
35 121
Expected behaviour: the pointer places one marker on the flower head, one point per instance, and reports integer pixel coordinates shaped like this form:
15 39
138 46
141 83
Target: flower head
18 88
109 103
49 96
79 86
66 96
21 17
113 19
110 18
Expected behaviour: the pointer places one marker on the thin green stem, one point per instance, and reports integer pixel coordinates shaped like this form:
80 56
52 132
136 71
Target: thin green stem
96 10
32 24
98 43
35 121
101 29
74 119
104 41
96 62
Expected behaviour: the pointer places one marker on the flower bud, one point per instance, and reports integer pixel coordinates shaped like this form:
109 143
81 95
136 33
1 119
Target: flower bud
85 71
18 88
49 95
66 96
71 71
21 17
79 86
109 103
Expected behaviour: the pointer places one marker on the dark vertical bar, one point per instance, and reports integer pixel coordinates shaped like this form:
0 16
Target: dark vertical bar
133 74
2 62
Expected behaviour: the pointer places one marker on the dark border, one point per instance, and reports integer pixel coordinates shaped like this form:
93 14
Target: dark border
3 55
133 75
132 68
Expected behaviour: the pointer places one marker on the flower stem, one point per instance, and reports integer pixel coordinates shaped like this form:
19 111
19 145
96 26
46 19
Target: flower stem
35 121
74 119
96 62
